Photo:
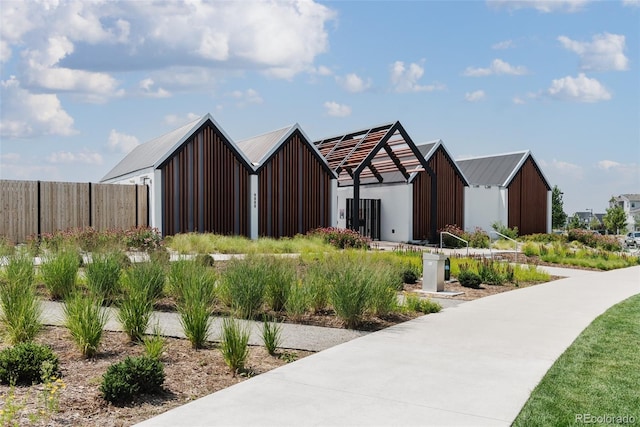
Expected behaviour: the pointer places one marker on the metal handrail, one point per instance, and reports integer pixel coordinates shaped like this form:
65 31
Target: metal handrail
456 237
515 242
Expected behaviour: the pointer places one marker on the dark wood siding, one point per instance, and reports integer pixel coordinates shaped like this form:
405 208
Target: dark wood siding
205 187
450 196
294 191
527 195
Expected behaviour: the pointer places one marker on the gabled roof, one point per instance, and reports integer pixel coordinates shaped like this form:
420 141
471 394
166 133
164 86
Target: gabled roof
496 170
428 149
259 149
379 154
153 153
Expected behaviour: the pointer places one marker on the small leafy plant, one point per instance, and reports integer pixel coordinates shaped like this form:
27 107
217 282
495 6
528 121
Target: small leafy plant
469 279
132 376
23 363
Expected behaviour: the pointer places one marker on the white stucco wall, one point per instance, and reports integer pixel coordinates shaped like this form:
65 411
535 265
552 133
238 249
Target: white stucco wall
483 206
396 209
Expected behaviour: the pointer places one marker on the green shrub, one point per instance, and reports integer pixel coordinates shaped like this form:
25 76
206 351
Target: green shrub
531 249
143 238
19 305
244 285
416 304
134 375
205 260
469 279
494 273
409 276
103 275
59 272
271 335
478 239
281 275
503 229
452 242
24 363
85 318
234 344
342 238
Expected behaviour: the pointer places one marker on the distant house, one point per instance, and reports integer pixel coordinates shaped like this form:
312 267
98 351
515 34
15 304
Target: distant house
391 189
507 188
295 184
631 205
201 181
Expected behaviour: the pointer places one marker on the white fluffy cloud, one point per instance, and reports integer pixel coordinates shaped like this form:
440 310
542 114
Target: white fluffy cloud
179 120
353 83
25 114
122 142
405 79
246 97
608 164
78 46
505 44
497 67
147 88
604 53
563 168
579 89
475 96
545 6
337 110
67 157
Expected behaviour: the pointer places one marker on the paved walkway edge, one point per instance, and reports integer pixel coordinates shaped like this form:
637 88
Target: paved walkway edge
474 364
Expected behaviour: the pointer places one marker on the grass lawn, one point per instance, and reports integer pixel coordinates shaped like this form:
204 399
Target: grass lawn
597 378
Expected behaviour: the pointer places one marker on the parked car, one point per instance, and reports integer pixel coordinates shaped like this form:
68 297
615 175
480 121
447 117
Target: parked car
632 239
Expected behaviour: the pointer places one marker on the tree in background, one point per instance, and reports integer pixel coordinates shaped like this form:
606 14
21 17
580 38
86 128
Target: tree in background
558 216
575 222
615 220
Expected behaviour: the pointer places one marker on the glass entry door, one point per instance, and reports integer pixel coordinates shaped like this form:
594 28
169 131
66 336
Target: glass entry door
369 214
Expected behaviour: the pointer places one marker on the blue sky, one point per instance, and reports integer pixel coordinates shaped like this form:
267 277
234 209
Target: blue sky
83 82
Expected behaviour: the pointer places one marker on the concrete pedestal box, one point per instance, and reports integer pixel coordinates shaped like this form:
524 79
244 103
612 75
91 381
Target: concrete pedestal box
433 272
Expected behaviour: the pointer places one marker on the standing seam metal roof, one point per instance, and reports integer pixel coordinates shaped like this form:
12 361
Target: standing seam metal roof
492 170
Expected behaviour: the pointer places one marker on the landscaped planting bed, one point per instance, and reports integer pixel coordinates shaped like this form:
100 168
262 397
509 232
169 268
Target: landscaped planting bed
86 271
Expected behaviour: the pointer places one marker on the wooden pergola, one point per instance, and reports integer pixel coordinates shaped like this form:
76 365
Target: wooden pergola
382 154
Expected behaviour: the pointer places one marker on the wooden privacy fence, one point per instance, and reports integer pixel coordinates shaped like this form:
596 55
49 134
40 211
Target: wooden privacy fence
37 207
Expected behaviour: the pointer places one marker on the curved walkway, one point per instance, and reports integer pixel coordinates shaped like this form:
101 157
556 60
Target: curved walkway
473 364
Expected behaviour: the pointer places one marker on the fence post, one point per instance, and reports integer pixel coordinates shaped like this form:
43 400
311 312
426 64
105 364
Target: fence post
39 214
90 207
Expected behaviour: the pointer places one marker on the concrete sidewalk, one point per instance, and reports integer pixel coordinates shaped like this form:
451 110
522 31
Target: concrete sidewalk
474 364
297 337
